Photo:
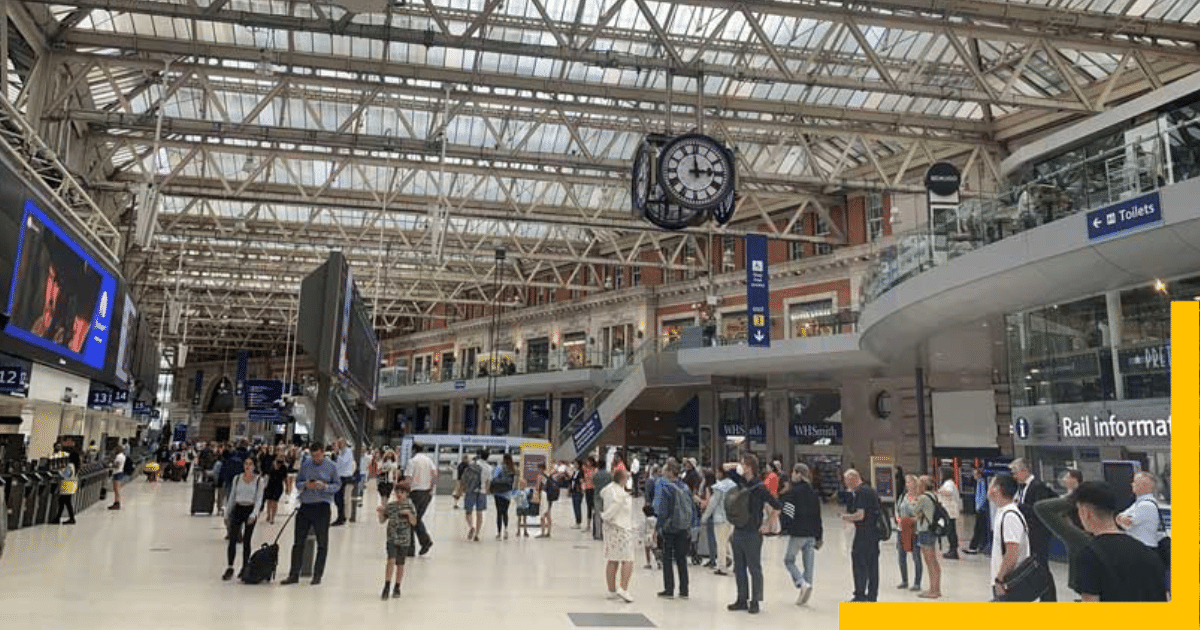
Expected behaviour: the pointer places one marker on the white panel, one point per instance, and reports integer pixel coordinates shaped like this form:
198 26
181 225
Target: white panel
964 419
47 383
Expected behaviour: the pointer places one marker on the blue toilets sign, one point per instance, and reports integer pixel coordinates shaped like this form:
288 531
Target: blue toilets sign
1123 217
758 292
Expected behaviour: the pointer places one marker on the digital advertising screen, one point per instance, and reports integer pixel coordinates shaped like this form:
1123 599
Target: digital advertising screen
60 299
359 361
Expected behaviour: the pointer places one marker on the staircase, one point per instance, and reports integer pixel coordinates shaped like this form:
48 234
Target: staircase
650 366
342 422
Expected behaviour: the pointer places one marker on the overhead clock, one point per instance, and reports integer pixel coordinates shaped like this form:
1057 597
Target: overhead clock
669 216
648 200
643 178
696 172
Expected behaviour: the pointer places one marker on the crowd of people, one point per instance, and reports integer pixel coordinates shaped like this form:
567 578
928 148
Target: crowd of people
717 516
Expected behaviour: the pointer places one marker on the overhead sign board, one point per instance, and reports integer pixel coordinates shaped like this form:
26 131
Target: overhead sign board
1129 215
758 292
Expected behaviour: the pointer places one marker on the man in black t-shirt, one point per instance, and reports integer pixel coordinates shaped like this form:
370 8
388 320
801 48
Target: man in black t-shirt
863 511
1114 566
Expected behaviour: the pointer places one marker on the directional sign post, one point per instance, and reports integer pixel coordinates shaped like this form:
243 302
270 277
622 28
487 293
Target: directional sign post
1129 215
758 292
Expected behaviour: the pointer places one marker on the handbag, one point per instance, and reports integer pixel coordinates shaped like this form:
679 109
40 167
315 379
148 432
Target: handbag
1029 579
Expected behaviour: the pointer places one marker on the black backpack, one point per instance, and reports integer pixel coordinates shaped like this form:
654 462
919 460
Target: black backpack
263 562
940 525
127 469
550 487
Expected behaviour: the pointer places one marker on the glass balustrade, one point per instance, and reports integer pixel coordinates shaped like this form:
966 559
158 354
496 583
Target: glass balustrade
1126 172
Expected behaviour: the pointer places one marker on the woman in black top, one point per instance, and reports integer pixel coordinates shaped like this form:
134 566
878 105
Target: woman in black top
276 475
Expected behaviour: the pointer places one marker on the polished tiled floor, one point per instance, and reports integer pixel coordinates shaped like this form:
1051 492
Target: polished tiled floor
151 565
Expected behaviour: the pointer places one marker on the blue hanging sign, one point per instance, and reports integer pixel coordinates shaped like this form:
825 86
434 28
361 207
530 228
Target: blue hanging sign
535 416
758 292
500 416
587 433
569 408
470 419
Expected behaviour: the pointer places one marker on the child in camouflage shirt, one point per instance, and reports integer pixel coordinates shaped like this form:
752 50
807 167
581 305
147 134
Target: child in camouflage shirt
401 518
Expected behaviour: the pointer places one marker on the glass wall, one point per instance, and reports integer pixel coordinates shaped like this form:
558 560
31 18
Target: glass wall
1104 347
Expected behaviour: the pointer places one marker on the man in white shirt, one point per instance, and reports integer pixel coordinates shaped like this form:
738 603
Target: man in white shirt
345 470
948 495
1141 520
422 475
1010 535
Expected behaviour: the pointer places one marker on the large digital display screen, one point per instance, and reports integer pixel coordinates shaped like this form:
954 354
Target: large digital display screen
125 351
359 361
60 300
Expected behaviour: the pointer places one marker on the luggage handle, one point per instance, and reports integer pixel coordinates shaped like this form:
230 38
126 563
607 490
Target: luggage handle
285 524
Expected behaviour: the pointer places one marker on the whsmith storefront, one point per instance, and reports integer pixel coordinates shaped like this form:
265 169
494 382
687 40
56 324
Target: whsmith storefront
1091 381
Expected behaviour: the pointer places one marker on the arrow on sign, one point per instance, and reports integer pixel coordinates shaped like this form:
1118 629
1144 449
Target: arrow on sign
758 336
1096 222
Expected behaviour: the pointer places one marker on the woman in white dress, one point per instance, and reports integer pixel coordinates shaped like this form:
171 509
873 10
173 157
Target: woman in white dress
619 538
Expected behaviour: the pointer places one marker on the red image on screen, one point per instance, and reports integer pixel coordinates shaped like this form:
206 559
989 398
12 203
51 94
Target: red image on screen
55 290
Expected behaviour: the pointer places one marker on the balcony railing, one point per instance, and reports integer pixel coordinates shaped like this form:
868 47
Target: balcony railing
1122 173
839 322
556 361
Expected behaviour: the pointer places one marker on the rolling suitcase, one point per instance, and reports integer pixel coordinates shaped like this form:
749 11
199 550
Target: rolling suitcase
204 495
264 562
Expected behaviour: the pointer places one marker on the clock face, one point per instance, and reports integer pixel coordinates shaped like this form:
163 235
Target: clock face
696 171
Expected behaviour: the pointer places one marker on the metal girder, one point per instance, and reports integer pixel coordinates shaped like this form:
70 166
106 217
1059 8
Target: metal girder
395 71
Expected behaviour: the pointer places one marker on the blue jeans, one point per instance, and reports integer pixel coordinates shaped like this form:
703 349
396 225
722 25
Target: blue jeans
903 557
807 547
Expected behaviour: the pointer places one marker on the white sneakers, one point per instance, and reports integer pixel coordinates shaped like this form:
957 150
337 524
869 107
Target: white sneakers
805 593
620 594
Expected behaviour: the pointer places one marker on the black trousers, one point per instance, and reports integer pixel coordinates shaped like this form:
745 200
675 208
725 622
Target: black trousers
589 498
339 498
314 516
747 564
577 505
979 537
502 503
675 550
952 535
864 559
421 499
67 501
240 528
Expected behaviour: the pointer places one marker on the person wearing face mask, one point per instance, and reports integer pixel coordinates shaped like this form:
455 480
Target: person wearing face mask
801 522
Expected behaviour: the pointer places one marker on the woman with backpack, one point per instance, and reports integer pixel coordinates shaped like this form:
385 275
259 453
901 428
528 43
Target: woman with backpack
504 484
926 537
67 487
245 496
906 539
714 513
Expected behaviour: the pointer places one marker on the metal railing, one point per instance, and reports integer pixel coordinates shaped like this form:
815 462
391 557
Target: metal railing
612 380
557 361
1122 173
839 322
36 161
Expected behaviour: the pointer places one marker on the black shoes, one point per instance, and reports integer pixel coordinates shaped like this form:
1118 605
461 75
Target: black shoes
338 523
289 580
425 549
70 522
115 506
228 575
739 605
316 581
666 595
950 555
396 592
386 592
753 608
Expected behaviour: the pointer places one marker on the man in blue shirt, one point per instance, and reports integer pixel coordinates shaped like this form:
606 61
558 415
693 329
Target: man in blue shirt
979 538
318 481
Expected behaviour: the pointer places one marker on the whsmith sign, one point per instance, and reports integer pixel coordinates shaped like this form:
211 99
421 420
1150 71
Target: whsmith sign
1127 423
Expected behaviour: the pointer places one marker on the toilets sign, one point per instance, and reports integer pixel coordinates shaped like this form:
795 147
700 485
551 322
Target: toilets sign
1123 217
1114 427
